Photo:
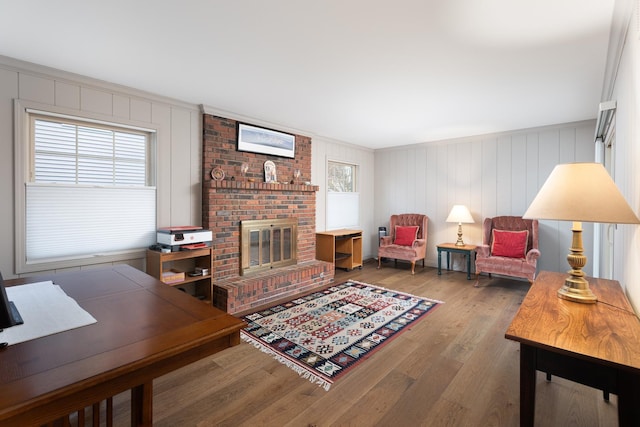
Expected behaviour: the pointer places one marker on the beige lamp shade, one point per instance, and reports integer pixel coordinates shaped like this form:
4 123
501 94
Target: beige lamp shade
581 192
460 214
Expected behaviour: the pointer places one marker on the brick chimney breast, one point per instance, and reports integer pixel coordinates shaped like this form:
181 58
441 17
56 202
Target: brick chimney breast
239 198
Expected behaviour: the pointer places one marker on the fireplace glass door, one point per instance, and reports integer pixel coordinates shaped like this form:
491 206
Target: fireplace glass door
267 244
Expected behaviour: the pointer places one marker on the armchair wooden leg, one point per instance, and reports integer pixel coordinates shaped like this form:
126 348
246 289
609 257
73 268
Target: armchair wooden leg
413 267
379 260
477 283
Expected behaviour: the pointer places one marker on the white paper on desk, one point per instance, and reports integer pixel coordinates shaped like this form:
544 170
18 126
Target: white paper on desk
45 309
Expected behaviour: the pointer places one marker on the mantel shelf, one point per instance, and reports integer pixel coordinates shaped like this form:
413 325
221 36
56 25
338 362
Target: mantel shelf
262 186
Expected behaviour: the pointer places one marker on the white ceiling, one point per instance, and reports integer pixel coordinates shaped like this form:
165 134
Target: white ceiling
376 73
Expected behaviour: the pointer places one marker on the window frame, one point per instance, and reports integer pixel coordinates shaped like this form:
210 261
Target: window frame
342 207
24 148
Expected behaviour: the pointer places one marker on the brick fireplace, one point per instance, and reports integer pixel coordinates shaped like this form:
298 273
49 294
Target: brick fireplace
236 198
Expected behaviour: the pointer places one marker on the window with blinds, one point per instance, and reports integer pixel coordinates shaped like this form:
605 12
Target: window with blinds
71 153
91 190
343 199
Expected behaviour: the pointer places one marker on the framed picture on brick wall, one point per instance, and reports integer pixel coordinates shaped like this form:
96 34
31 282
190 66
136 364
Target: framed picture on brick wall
255 139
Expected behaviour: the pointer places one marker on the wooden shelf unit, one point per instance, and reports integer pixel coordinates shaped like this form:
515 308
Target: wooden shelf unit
342 247
186 261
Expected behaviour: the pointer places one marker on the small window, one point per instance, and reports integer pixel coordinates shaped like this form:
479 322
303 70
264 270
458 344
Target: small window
343 199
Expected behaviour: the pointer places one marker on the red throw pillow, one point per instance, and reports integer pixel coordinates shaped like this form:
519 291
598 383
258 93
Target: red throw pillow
405 236
511 244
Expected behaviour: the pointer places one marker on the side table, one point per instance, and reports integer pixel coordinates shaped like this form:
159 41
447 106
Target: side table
466 250
597 345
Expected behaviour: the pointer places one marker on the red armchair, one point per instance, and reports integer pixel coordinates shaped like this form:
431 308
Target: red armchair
407 240
509 250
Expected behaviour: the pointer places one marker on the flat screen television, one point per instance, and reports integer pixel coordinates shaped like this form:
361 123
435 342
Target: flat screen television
9 315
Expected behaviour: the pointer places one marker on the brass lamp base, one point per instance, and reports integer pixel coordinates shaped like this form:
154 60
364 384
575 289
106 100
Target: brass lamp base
576 287
577 290
459 242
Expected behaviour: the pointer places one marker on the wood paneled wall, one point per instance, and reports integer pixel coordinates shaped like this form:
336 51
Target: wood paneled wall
625 90
178 139
491 174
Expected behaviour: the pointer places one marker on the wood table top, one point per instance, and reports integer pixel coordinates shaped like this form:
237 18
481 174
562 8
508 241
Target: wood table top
144 329
340 232
607 332
464 247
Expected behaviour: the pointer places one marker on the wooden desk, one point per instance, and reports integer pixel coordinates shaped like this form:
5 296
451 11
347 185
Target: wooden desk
144 329
594 344
466 250
342 247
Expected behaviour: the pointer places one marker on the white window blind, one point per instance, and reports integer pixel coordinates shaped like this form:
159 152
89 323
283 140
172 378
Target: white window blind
343 210
77 222
90 191
70 153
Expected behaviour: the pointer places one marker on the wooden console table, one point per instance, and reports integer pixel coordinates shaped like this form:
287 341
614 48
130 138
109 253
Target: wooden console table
144 329
594 344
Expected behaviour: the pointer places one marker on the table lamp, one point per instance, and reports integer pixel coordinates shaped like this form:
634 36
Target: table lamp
580 192
460 214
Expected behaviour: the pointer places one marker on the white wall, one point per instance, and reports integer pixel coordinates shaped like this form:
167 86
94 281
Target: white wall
178 151
492 175
626 91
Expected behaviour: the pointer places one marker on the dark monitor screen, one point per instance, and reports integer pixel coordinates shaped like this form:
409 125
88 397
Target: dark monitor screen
9 315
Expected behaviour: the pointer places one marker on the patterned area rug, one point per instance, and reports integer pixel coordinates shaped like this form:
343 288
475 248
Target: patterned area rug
323 335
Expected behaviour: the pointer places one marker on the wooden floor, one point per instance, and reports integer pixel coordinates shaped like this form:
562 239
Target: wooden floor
453 368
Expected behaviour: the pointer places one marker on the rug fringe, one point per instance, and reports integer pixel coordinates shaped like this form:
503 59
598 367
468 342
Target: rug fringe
288 363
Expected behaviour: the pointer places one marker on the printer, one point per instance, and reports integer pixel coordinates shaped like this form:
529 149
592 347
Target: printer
184 237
